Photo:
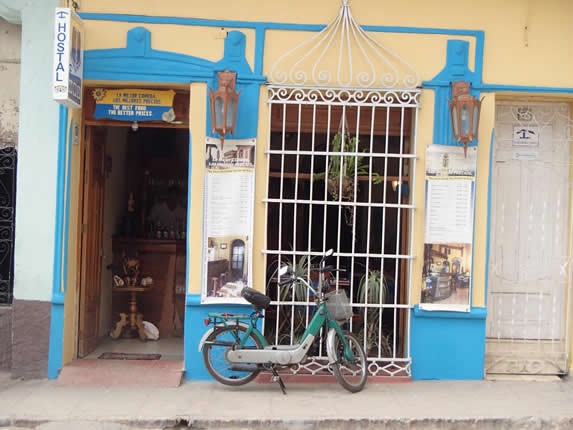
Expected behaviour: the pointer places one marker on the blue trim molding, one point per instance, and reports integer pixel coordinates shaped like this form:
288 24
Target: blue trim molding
498 88
139 62
456 69
261 27
488 216
55 346
447 345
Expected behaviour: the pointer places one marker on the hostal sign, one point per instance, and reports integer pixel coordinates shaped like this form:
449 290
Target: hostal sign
68 58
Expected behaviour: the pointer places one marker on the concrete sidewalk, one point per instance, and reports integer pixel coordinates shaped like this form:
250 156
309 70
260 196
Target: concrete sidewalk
45 405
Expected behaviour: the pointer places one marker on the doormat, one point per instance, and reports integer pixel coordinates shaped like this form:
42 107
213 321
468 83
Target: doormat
128 356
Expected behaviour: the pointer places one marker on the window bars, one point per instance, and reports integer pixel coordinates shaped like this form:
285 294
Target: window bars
7 218
340 163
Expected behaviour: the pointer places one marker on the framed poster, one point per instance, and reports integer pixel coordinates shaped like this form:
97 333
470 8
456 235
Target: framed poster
228 219
448 228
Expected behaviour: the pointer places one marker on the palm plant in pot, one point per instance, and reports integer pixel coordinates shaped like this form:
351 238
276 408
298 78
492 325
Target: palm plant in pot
294 293
373 290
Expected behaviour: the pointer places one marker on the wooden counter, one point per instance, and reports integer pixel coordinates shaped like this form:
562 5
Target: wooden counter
164 262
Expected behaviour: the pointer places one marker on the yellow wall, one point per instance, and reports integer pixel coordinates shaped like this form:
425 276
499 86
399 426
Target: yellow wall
514 55
197 118
72 297
202 42
487 119
261 181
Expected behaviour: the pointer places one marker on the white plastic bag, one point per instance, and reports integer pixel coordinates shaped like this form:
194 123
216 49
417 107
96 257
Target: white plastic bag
151 332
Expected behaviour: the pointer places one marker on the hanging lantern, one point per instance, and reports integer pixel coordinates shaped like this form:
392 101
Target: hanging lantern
224 103
464 113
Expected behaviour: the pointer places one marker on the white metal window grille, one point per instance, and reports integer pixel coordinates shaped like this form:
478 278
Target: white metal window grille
340 162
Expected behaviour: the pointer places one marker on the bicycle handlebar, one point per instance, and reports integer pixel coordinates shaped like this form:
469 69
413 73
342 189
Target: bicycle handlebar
327 269
291 278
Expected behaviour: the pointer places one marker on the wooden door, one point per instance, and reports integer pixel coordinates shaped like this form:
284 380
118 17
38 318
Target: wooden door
91 242
529 248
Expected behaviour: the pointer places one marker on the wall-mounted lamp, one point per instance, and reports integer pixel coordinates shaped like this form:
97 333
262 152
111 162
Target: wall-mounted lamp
399 186
134 126
224 104
464 113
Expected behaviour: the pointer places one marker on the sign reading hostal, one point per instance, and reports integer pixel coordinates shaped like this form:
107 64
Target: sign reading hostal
67 74
134 104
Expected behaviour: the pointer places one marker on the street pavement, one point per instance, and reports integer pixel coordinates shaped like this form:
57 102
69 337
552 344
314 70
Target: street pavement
500 404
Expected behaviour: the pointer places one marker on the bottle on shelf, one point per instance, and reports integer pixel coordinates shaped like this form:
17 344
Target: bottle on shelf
158 230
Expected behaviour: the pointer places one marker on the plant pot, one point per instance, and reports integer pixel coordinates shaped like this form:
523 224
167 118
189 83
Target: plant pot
347 191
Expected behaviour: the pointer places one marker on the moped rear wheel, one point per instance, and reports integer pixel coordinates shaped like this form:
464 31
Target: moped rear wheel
215 355
350 374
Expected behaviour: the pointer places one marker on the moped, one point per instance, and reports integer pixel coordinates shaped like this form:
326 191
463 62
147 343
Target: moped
235 351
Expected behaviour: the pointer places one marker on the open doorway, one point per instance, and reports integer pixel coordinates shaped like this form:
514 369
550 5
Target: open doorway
132 293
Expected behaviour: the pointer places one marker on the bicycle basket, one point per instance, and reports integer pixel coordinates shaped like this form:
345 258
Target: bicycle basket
338 306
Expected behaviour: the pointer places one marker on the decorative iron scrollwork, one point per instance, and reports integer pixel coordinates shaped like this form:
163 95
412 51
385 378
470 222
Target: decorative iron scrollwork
8 159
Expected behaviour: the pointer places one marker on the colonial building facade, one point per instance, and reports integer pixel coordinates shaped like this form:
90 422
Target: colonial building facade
347 133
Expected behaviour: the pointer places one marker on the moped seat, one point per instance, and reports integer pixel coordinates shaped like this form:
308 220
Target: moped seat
257 299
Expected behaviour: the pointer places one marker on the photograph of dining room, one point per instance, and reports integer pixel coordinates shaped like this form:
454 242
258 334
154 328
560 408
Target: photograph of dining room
227 266
447 273
228 153
450 162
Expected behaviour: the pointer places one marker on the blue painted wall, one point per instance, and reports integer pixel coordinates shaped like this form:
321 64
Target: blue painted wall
55 347
195 328
447 345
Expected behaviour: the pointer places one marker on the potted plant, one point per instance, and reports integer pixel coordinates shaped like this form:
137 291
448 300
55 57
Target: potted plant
344 169
291 293
373 289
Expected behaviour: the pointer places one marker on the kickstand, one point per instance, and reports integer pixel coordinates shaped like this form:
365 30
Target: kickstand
277 378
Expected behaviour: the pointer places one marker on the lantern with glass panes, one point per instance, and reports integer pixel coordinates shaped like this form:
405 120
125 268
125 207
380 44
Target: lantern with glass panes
224 103
464 113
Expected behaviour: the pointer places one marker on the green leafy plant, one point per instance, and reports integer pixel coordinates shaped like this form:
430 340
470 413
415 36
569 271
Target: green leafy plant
345 168
343 171
373 289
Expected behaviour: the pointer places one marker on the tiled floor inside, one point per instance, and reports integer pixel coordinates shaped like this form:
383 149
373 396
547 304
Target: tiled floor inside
170 348
166 371
460 296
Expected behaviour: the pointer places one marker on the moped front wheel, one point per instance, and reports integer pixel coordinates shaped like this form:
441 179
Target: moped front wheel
215 355
351 374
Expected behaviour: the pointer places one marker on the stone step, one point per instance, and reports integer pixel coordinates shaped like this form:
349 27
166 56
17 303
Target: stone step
124 373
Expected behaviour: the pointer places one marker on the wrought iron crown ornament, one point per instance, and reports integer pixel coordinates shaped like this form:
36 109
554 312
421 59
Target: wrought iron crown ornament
343 55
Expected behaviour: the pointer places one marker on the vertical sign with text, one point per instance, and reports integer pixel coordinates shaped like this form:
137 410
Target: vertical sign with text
67 74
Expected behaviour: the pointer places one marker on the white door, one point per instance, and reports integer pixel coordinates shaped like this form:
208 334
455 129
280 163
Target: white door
529 240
